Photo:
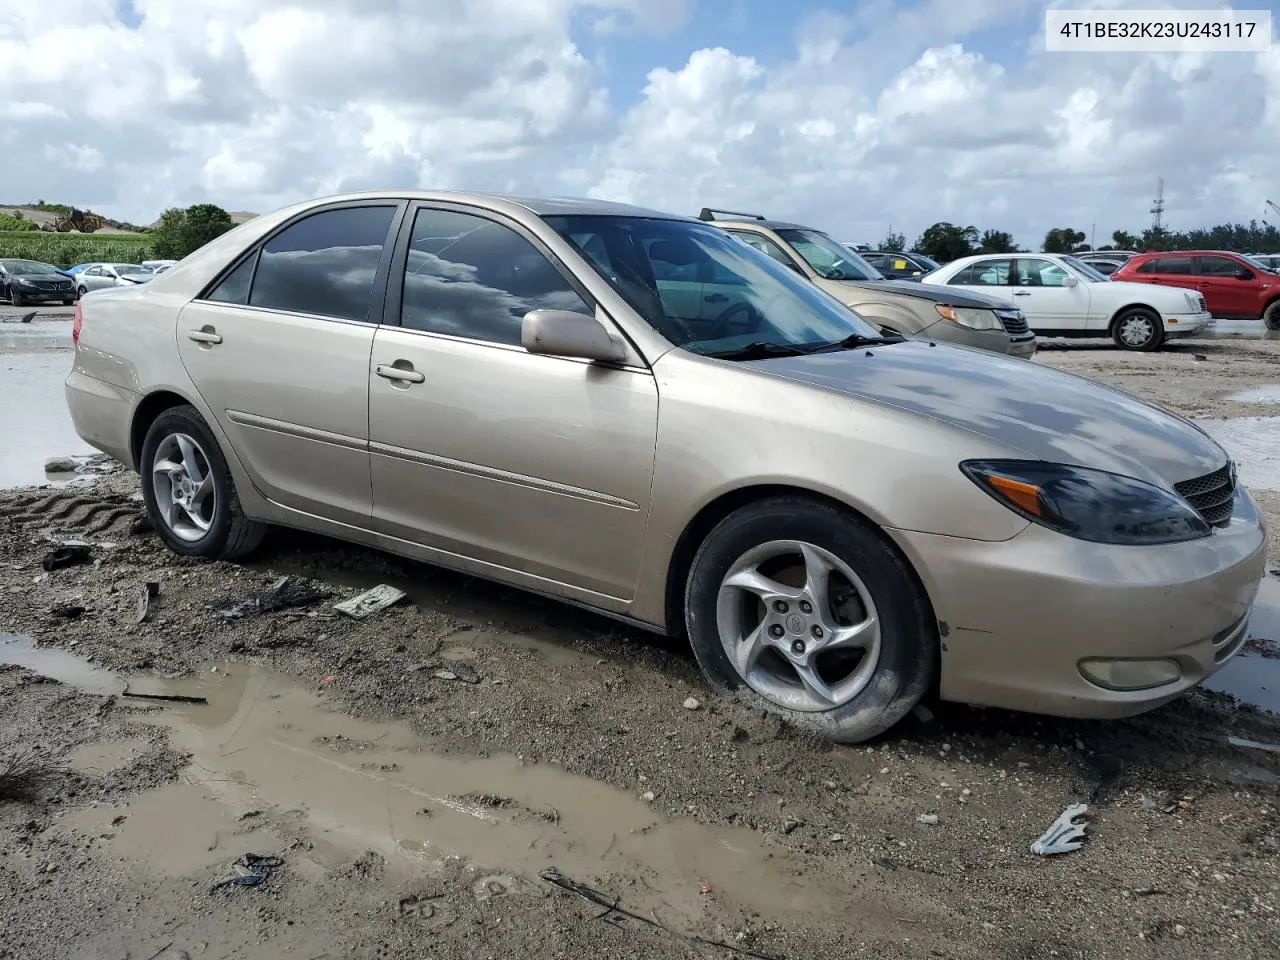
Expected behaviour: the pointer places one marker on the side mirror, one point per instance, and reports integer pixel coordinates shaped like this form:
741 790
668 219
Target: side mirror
563 333
1244 274
1070 281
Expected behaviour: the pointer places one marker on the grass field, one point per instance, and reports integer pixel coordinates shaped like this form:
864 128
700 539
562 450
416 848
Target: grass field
66 249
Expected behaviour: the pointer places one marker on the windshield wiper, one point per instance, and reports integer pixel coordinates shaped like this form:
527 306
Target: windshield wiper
758 350
856 340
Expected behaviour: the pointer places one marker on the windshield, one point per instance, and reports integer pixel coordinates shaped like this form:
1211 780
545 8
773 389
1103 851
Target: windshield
1086 271
27 266
706 291
831 260
925 262
128 268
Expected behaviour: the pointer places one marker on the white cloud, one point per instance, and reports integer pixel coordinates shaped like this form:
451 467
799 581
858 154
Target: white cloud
889 114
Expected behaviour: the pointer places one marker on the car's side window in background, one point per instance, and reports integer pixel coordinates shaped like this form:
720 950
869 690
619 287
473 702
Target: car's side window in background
234 287
984 273
1148 267
324 264
471 277
1217 266
1175 265
765 245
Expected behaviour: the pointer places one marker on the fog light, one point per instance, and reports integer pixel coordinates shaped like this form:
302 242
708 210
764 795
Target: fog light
1130 674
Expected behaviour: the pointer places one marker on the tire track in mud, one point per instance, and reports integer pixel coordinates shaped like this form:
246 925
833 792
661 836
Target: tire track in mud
76 511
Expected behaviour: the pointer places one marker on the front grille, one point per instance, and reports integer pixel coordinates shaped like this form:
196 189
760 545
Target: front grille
1012 324
52 284
1212 495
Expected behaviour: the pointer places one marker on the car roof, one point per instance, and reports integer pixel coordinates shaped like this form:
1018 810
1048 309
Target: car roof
1188 253
769 224
543 206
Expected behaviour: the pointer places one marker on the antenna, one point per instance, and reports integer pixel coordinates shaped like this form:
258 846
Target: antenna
1157 208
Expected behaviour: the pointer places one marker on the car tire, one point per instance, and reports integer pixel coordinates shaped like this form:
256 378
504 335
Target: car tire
182 470
1271 316
1138 328
80 292
886 648
15 298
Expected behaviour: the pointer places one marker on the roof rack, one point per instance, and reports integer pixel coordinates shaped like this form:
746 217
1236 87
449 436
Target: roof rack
709 213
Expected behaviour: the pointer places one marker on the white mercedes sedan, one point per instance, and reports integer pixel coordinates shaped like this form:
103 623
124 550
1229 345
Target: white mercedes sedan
1063 296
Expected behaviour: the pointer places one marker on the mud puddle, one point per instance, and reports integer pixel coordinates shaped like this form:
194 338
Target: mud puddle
1263 393
269 754
1252 676
20 650
1254 443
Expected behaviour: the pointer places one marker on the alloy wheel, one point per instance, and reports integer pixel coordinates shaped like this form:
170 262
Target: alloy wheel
1136 329
182 484
798 625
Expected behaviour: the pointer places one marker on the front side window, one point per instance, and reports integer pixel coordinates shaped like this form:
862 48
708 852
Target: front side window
1040 273
471 277
1088 271
829 259
765 246
1217 266
749 301
325 264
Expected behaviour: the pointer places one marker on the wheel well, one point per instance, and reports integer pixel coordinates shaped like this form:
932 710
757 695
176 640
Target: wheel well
696 531
151 407
1269 304
1115 317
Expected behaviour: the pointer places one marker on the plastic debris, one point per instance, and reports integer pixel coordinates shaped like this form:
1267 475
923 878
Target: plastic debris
251 870
329 680
68 555
166 697
1066 835
371 601
692 704
928 819
149 590
67 611
281 595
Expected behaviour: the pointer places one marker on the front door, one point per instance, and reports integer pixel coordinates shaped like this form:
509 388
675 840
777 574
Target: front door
536 464
1045 292
1225 293
279 351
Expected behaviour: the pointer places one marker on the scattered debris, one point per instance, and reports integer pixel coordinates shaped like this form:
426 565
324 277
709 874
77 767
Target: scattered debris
140 525
705 887
251 870
837 838
326 681
928 819
281 595
19 775
461 672
692 704
615 914
371 601
789 825
1146 891
165 697
922 713
68 555
67 611
1065 835
1253 744
1199 357
647 796
61 465
149 591
494 885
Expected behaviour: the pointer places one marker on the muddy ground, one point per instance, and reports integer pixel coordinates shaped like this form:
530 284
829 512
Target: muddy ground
417 772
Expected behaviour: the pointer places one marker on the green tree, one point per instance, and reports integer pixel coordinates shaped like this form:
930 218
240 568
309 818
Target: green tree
996 241
894 242
1124 240
945 241
1063 240
181 232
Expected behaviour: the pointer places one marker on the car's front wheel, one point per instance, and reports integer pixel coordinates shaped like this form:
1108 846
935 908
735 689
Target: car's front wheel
15 297
803 609
188 491
80 292
1271 317
1138 329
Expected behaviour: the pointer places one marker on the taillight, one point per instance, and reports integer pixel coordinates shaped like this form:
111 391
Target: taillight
76 324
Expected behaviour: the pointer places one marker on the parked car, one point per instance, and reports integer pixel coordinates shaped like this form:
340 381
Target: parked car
74 271
899 265
158 266
837 521
1088 256
1269 260
1105 267
30 281
1233 286
1064 297
897 306
98 276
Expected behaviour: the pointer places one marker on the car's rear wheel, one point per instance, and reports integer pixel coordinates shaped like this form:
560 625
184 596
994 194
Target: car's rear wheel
803 609
1271 316
188 491
1138 329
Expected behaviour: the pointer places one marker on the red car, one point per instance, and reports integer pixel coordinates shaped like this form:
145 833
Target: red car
1234 287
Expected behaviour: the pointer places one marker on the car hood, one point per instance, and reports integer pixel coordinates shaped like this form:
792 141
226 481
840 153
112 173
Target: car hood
18 275
136 277
935 294
1155 294
1038 412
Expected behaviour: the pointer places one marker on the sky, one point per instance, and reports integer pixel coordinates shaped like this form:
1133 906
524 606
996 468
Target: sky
855 117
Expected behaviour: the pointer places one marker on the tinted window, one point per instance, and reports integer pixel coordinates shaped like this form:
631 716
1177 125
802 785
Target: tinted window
1148 267
1040 273
1176 265
472 277
234 287
325 264
984 273
1218 266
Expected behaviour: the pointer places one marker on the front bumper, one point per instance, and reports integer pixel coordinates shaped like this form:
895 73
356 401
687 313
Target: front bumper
46 296
996 341
1186 325
1017 617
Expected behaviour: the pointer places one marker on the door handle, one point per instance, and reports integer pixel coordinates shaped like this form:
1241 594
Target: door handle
1022 293
390 372
716 298
204 336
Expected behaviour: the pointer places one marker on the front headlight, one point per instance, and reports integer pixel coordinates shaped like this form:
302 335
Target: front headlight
1088 504
1193 302
969 317
23 282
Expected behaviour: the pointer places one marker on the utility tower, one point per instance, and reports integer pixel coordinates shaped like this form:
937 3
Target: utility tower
1157 208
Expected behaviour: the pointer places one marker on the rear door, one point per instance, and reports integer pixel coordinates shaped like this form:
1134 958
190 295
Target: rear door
1226 294
279 347
536 464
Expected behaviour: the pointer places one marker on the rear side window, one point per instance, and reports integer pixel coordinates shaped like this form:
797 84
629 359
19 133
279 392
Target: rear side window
1180 266
323 265
984 273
